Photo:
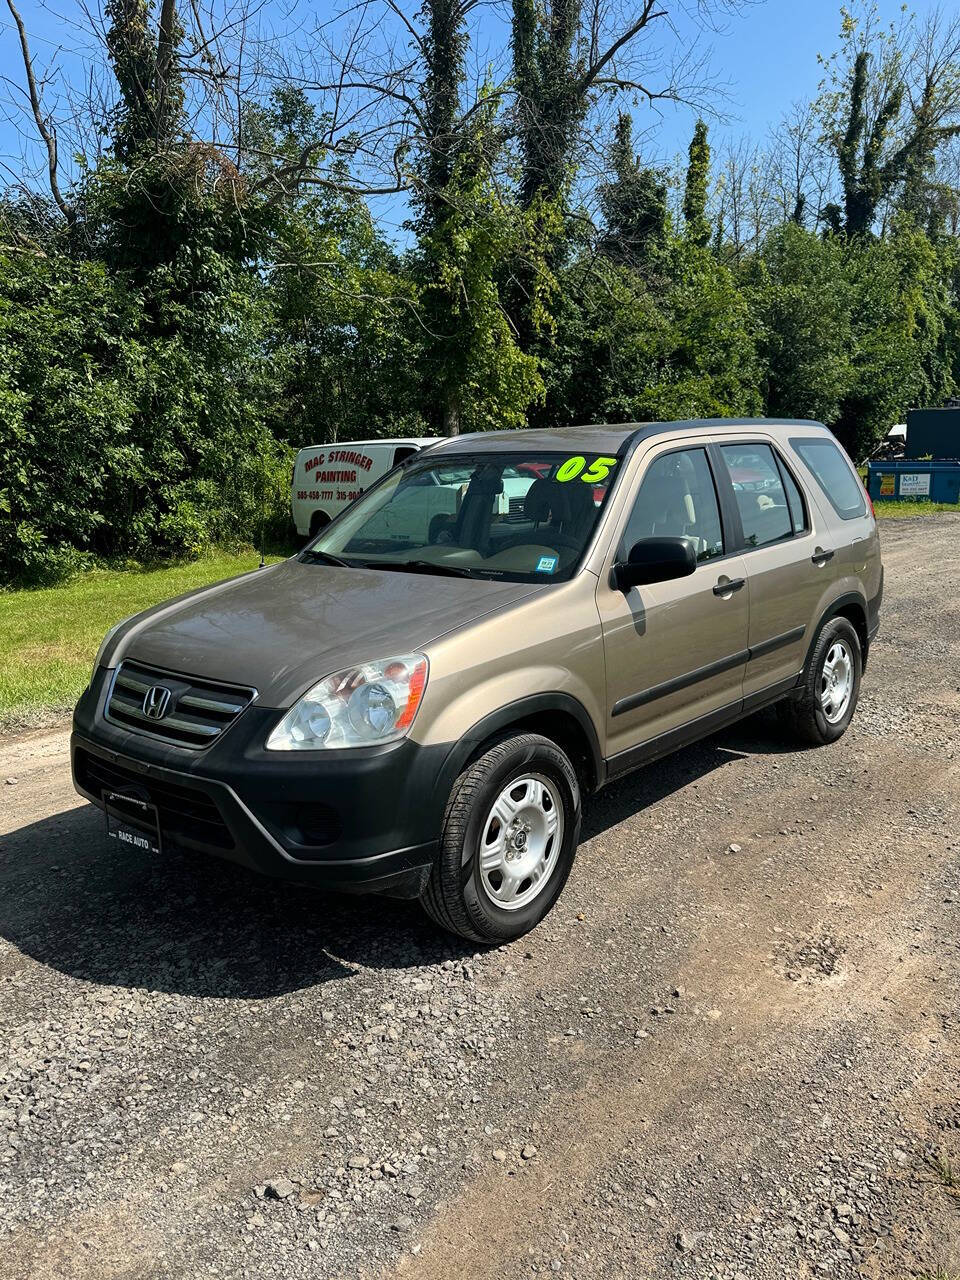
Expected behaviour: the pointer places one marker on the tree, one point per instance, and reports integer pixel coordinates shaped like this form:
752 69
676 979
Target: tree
634 203
148 114
696 188
933 92
477 377
798 167
893 100
572 59
797 290
743 200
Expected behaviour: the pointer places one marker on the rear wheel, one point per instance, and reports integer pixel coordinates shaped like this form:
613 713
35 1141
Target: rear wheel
510 834
319 520
823 707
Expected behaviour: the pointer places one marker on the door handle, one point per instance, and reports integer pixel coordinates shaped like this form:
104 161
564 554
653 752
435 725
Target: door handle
732 584
821 557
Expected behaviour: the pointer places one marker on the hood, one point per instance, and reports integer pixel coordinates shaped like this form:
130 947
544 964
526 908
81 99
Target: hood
283 628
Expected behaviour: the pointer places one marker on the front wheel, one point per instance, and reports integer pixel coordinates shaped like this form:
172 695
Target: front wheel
823 706
510 834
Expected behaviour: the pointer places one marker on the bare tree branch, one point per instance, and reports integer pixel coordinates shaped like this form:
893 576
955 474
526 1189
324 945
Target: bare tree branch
47 132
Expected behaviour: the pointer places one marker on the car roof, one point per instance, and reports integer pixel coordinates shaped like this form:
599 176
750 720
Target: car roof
604 437
356 444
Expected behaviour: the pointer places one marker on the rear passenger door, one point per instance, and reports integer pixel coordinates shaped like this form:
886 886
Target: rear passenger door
786 577
675 651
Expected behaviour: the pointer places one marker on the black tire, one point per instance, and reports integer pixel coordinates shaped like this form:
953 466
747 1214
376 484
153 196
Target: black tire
455 896
319 520
803 713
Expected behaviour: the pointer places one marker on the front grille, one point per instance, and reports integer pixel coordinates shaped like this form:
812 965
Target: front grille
194 712
184 813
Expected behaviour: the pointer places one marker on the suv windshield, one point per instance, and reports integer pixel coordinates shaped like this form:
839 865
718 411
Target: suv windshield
523 517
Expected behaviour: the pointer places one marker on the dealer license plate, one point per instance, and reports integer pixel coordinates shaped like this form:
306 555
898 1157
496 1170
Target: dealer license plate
132 822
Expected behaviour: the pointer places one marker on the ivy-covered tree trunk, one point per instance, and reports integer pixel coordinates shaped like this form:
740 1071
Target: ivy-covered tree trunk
474 375
695 190
149 113
634 203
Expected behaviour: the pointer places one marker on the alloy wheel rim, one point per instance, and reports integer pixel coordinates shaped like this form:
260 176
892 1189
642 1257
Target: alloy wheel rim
520 841
836 681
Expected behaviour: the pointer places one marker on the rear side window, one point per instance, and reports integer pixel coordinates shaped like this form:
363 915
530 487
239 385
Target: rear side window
833 474
403 451
761 498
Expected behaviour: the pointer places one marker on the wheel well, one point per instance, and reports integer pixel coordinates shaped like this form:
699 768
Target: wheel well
319 520
857 617
562 728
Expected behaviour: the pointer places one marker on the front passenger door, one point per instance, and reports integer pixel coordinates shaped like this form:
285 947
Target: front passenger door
675 651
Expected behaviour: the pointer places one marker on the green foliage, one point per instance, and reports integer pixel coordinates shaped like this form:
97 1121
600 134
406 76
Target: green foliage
634 203
148 115
695 190
854 334
628 351
477 375
127 431
551 97
202 312
802 306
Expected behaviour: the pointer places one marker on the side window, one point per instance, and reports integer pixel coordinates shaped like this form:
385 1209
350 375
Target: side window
677 499
834 475
794 499
403 451
761 497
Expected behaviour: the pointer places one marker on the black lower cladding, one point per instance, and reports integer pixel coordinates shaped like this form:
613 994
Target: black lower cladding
368 819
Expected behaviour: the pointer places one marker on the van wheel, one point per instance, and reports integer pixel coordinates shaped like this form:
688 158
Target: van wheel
319 520
510 834
823 707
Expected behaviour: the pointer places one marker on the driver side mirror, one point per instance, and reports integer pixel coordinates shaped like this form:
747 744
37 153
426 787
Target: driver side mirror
655 560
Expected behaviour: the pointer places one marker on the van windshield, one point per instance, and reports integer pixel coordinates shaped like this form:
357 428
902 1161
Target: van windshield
522 517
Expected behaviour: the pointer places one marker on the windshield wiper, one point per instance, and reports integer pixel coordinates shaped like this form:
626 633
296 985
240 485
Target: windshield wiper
422 566
324 557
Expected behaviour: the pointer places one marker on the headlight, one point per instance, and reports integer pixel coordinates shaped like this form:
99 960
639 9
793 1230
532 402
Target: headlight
105 644
356 707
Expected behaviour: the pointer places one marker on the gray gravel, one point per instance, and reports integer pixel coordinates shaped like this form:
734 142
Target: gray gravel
730 1052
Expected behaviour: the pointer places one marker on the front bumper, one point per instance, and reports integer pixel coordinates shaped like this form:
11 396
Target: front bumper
367 820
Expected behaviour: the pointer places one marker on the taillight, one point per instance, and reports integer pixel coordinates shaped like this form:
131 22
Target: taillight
870 505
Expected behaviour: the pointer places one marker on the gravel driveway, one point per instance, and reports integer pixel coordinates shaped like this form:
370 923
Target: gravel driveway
731 1051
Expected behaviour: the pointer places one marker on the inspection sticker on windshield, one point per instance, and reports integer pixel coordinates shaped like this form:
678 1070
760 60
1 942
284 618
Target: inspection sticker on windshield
548 564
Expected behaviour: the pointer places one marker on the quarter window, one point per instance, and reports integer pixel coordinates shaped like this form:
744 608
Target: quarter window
677 499
794 500
833 473
761 498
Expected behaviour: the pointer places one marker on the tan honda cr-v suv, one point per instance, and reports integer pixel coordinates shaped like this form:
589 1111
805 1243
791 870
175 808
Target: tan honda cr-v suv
418 702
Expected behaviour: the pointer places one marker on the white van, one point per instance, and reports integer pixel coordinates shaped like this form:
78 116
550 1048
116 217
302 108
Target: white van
327 477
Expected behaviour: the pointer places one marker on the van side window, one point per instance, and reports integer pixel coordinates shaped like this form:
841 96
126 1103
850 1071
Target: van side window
834 475
403 451
761 497
677 499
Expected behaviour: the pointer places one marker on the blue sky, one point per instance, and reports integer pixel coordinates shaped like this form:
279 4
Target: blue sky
766 56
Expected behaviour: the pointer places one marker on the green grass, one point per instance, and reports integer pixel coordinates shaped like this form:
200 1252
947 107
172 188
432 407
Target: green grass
944 1171
894 509
50 636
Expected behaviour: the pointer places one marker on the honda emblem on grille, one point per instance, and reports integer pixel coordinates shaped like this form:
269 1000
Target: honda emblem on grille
155 701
